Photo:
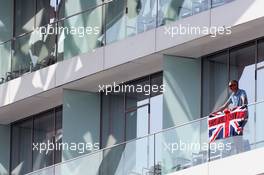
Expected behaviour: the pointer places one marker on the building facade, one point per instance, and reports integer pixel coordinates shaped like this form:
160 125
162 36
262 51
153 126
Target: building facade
123 87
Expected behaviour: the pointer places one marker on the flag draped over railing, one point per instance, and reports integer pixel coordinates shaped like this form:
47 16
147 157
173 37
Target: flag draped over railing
227 124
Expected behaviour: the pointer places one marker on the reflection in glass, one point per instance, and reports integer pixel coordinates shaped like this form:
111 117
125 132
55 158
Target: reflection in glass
126 18
43 133
182 147
261 52
215 80
113 119
71 7
170 10
44 50
46 12
22 147
80 34
137 123
242 69
40 128
5 60
216 3
6 20
138 94
22 55
24 16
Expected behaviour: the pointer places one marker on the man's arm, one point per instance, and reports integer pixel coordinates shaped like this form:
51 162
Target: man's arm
244 99
224 106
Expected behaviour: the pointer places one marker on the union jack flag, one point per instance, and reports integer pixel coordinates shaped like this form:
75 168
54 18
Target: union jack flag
227 124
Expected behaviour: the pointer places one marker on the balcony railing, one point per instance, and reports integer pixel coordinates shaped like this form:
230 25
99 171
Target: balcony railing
165 152
107 22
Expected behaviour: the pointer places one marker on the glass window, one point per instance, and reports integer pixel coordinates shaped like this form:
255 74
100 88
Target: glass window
37 129
70 7
80 34
170 10
43 133
6 20
23 55
137 93
58 133
5 60
216 3
24 16
156 103
215 81
260 72
137 123
22 147
126 18
46 12
142 115
44 49
113 120
242 68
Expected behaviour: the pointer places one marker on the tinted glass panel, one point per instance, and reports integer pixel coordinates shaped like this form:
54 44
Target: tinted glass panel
242 69
46 12
22 147
137 93
6 20
171 10
126 18
215 80
5 60
137 123
43 133
24 16
80 34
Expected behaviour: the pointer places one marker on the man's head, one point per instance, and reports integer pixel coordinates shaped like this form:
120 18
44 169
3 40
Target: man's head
233 85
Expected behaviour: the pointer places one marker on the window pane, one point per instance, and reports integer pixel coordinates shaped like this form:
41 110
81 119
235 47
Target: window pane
261 52
156 113
126 18
43 133
156 84
24 16
215 82
260 72
70 7
242 69
171 10
80 34
5 60
216 3
44 50
137 93
46 12
113 119
22 147
23 55
137 123
59 134
6 20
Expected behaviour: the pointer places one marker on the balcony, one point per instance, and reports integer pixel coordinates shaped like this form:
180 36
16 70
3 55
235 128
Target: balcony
166 152
33 50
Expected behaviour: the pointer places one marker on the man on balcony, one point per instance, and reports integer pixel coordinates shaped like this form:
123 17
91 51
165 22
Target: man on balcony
237 98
